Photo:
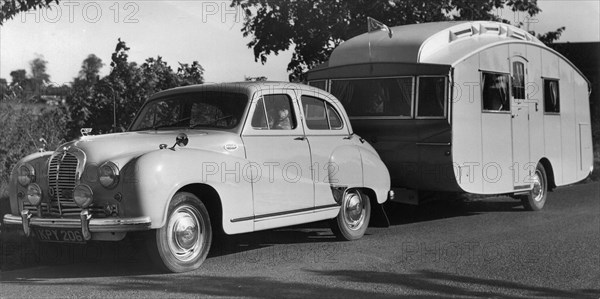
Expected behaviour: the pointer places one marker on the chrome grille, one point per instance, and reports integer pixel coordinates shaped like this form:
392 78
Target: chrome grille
62 178
68 209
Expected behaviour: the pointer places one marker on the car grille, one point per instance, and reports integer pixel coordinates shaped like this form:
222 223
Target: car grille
68 210
62 177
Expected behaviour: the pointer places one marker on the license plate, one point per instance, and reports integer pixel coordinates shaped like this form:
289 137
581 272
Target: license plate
59 235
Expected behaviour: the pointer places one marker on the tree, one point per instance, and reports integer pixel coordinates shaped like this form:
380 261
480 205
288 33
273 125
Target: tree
3 89
190 74
10 8
18 77
94 101
158 75
90 68
550 37
315 28
255 79
39 77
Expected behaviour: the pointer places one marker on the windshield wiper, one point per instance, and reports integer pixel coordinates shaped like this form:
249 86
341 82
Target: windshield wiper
210 124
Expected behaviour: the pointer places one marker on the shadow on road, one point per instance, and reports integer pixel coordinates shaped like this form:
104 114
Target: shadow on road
462 206
442 284
356 284
129 257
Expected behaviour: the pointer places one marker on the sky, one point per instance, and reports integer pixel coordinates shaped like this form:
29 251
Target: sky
185 31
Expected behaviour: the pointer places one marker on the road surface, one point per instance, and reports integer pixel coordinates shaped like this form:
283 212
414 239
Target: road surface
485 248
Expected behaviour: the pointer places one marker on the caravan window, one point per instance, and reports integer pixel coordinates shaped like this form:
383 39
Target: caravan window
322 84
551 96
431 97
381 97
495 92
518 80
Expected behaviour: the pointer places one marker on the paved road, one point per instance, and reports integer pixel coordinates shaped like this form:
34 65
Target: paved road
489 248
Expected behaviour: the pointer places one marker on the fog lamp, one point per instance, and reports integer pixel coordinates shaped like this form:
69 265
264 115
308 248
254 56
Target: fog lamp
34 194
83 195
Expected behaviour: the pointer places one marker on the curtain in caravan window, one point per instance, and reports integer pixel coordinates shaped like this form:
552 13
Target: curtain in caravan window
551 96
518 82
495 92
375 97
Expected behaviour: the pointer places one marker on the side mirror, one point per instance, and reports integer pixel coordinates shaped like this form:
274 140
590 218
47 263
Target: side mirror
181 140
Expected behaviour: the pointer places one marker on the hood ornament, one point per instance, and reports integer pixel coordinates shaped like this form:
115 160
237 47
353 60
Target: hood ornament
44 145
85 131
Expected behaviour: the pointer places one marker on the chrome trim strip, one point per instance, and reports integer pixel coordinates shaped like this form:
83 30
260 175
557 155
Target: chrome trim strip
258 217
520 187
95 225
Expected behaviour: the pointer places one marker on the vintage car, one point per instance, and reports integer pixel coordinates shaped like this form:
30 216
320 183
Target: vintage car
200 160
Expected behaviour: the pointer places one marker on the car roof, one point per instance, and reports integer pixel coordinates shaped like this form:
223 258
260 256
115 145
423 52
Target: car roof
247 87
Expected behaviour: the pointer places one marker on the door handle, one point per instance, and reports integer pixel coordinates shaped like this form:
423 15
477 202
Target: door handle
300 138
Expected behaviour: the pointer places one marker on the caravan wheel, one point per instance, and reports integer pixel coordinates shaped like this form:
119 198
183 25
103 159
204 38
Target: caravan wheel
536 198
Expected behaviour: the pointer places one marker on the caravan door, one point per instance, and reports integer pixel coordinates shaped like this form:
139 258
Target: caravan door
522 166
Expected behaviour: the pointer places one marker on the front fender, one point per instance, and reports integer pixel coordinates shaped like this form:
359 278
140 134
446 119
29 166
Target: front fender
152 179
39 161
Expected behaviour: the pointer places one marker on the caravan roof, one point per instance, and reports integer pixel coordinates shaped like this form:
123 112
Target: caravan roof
437 43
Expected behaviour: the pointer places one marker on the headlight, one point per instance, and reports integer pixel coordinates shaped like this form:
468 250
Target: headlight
108 174
26 174
83 195
34 194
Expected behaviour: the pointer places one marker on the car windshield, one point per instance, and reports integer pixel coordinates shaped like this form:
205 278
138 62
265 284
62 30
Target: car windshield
205 109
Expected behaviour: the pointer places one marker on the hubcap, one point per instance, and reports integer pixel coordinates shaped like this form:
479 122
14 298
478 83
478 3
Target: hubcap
354 212
538 191
186 234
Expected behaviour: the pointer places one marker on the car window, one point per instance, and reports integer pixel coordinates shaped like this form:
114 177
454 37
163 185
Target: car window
204 109
335 121
274 112
320 115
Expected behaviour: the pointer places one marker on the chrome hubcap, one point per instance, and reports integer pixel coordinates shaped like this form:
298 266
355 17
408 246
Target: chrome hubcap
354 212
185 233
538 191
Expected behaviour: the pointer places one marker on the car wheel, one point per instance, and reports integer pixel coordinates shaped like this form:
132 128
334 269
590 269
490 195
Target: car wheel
182 244
536 198
353 219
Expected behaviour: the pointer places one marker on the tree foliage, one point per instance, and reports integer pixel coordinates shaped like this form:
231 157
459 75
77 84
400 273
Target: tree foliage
29 87
550 37
10 8
315 28
96 102
90 68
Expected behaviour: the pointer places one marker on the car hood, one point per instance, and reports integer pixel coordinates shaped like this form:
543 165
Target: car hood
102 148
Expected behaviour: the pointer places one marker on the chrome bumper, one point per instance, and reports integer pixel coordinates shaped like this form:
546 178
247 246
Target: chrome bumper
85 223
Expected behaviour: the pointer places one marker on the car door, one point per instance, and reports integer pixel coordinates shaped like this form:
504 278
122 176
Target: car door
277 148
329 138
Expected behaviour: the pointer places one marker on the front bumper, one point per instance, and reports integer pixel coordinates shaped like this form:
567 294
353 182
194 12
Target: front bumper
85 223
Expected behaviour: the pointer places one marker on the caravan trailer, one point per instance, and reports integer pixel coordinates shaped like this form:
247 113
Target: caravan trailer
478 107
